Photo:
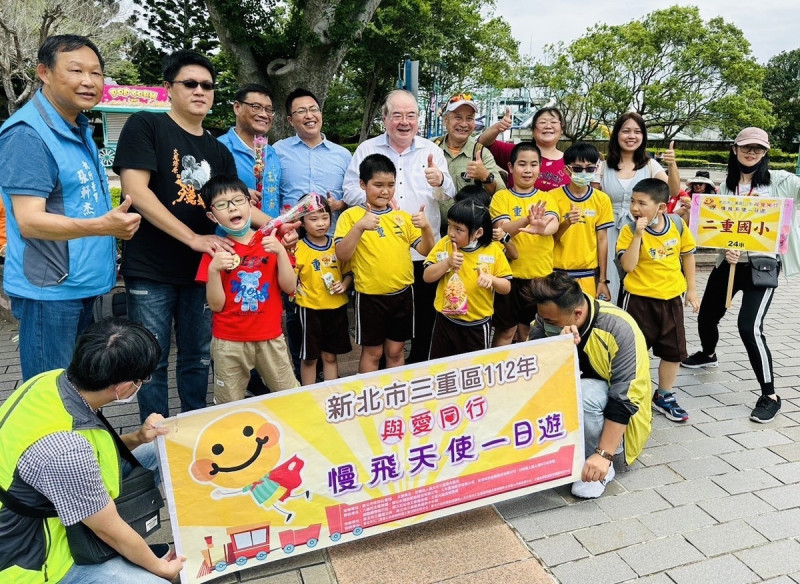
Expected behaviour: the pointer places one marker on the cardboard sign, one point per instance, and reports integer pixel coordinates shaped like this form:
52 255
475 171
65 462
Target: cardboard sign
265 478
758 224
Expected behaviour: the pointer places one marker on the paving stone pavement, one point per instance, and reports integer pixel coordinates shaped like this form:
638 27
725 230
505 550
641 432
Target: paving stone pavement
714 500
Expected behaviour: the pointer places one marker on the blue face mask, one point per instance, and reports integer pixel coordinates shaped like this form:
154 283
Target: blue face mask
581 179
237 232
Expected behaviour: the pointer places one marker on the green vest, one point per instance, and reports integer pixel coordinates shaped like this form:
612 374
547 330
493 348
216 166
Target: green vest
34 549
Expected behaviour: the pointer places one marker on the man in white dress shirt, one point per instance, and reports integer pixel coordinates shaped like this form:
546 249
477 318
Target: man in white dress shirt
422 179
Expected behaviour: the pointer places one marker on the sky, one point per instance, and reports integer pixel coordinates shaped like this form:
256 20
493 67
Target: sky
771 26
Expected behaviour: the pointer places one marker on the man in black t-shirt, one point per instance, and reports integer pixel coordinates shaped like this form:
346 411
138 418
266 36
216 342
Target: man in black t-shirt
163 161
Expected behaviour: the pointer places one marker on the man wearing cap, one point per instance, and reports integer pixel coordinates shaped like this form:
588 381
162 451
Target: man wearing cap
467 160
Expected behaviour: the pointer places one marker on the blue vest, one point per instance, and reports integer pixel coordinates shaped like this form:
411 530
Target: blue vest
62 270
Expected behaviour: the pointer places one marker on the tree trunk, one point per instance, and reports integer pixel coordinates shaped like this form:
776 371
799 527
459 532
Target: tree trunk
369 113
314 63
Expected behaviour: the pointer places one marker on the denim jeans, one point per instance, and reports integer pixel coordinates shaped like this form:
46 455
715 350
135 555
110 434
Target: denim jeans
595 399
117 570
120 570
156 306
48 330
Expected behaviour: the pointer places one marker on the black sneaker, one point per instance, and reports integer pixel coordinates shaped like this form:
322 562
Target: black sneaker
766 409
699 360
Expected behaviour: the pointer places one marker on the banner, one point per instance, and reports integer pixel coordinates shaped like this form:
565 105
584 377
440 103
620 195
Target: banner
258 480
759 224
126 96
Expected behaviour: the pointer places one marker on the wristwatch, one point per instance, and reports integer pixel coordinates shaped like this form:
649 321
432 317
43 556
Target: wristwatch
489 179
606 282
506 238
604 454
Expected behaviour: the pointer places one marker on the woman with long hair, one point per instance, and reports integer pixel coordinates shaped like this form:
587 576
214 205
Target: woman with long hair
749 175
626 164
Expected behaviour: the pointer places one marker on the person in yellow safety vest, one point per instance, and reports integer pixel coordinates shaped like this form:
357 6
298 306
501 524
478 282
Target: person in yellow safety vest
58 453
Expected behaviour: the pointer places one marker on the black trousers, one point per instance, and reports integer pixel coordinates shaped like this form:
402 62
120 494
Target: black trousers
424 315
755 304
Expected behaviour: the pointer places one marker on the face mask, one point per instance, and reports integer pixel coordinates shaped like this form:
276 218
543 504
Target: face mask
654 221
552 330
129 399
582 179
471 246
237 232
748 169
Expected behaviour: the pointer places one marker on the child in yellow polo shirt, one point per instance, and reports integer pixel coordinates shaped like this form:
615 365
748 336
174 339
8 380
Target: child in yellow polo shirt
530 218
321 298
652 253
470 268
581 248
376 241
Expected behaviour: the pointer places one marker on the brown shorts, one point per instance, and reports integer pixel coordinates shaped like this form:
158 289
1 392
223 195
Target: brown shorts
515 307
324 330
384 317
661 322
451 337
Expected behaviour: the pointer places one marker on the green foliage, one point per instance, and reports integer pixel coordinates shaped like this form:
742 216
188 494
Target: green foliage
475 48
782 89
670 66
179 24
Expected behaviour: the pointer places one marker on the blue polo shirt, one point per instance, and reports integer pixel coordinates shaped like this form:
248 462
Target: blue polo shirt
304 170
245 158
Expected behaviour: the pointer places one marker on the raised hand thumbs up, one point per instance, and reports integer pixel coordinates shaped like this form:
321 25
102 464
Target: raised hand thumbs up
574 214
456 258
433 175
121 223
419 219
370 220
669 154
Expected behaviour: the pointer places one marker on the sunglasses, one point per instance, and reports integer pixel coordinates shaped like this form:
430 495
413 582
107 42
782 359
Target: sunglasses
578 169
192 84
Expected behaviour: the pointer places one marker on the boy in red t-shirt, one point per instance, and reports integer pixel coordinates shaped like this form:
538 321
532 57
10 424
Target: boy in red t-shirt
243 292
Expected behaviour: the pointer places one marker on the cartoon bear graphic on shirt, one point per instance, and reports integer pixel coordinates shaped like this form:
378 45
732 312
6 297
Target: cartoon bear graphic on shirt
247 291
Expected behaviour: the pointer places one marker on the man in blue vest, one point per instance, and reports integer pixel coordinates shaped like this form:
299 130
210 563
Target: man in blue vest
61 228
66 465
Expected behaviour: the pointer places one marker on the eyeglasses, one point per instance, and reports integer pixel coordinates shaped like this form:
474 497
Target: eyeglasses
258 108
578 169
752 149
306 110
192 84
236 201
398 117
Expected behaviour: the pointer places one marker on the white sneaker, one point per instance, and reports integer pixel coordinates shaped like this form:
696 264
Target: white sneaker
593 489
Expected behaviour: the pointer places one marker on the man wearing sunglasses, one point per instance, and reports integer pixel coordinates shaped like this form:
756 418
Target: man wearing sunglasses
257 163
163 161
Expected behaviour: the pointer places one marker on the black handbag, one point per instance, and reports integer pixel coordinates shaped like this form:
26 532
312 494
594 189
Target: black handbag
138 503
764 271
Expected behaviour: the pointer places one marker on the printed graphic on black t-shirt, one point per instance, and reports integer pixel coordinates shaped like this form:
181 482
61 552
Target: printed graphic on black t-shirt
180 163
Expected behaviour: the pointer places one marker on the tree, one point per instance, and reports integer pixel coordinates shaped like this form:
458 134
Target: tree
25 25
671 67
782 89
179 24
286 45
478 49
